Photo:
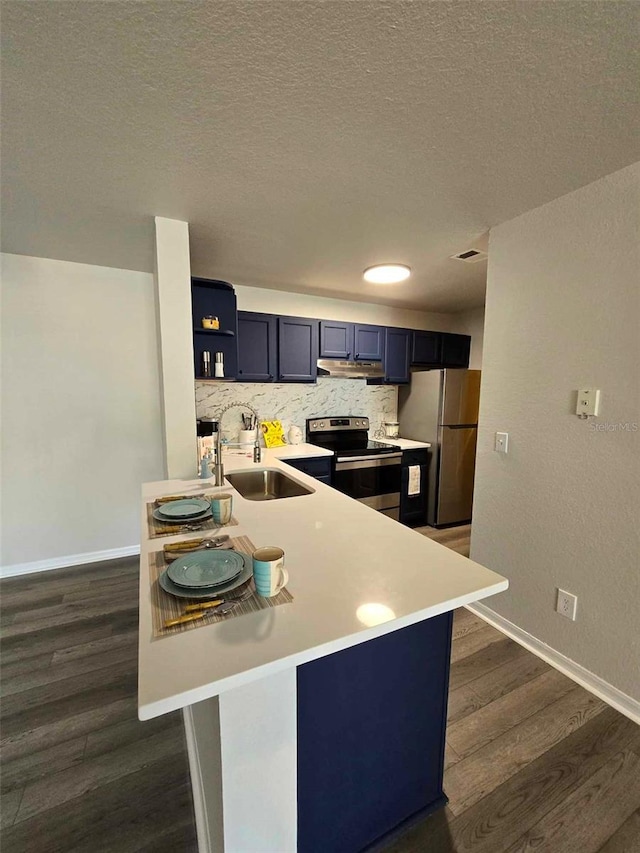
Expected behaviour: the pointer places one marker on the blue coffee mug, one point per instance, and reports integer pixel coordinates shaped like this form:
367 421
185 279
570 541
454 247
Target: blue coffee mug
221 506
269 574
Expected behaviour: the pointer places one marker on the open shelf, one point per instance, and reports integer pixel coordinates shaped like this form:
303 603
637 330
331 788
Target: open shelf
226 332
214 298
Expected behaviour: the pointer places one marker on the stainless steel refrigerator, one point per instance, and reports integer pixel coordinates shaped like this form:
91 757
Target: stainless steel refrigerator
441 407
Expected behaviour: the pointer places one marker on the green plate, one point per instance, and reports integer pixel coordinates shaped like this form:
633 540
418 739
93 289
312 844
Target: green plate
184 508
201 516
210 591
205 568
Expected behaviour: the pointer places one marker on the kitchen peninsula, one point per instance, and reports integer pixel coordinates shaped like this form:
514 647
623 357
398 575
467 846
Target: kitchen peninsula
318 724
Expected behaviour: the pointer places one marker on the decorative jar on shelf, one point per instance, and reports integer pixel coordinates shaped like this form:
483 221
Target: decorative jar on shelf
210 322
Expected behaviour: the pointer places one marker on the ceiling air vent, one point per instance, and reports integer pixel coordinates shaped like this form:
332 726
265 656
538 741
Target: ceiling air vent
471 256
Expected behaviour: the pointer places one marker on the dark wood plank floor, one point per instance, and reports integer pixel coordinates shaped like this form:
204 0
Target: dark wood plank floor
79 771
457 538
533 761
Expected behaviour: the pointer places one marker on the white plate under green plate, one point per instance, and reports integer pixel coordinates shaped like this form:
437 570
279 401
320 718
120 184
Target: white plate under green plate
184 508
190 520
210 591
205 568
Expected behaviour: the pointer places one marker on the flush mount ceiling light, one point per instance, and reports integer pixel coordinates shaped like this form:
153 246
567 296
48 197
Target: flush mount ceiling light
387 273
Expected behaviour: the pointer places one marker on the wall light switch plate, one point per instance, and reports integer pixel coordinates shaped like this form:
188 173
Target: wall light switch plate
502 442
588 402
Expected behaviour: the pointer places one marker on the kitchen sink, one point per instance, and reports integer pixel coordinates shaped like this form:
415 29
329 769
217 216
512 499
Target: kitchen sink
267 484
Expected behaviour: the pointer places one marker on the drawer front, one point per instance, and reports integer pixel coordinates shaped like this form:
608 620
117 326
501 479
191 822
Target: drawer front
415 457
314 467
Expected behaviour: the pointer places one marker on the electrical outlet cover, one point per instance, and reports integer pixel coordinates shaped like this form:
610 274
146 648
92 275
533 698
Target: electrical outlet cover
567 604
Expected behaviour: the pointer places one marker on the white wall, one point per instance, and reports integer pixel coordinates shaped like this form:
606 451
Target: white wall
471 323
301 305
81 420
561 509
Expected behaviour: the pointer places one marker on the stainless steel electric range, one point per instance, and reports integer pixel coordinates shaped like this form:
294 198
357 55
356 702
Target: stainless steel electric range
368 471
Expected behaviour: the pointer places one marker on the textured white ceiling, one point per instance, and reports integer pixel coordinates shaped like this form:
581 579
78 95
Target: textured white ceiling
305 141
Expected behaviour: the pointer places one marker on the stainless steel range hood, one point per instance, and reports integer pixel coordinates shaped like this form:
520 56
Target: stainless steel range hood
350 369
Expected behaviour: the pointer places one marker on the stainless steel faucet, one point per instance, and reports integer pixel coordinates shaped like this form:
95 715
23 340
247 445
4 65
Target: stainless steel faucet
257 451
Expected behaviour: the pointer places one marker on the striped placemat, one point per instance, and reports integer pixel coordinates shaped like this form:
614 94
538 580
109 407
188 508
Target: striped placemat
165 606
157 528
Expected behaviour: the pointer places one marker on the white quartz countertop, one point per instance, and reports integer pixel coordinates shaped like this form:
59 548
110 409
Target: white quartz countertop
349 567
404 443
289 451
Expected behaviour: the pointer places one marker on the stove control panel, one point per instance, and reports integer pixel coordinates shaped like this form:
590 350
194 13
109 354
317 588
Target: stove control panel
331 424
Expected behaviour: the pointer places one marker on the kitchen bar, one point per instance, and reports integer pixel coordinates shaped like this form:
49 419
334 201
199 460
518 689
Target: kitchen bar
311 725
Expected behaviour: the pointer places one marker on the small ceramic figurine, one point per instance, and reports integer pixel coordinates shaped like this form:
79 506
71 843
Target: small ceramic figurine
294 435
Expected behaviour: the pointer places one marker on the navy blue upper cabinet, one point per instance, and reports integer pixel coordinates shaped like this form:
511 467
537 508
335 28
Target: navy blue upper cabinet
297 349
455 350
216 298
351 341
397 356
368 342
256 347
425 348
336 339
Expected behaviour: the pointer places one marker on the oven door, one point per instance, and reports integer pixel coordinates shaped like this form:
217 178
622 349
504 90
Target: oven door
374 480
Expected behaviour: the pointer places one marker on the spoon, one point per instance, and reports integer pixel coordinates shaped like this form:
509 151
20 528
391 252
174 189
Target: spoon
219 542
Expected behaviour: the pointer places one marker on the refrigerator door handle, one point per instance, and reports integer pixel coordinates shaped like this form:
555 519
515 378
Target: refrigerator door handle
460 426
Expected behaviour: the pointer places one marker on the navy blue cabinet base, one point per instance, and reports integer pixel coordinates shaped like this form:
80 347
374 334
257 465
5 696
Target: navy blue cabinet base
371 735
413 507
319 467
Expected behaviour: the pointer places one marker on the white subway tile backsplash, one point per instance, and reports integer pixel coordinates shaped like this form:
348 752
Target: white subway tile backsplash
293 403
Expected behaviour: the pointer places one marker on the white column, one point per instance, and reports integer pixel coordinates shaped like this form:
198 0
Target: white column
173 294
243 760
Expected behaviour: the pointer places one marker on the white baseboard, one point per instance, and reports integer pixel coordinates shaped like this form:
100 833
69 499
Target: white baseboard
67 562
593 683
